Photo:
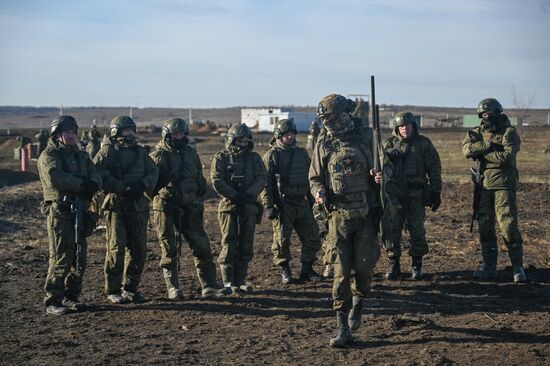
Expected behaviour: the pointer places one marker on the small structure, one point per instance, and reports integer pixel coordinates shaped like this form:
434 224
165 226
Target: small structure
472 120
251 116
264 119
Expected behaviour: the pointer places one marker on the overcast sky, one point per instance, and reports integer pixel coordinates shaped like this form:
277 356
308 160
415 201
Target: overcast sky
217 53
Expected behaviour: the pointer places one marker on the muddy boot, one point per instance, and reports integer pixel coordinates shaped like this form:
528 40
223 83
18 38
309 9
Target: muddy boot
308 273
417 268
344 334
517 269
241 273
394 270
286 274
487 270
329 271
172 285
209 283
354 319
73 303
228 277
135 297
56 309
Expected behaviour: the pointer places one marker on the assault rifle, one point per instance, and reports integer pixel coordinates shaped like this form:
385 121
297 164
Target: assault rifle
77 208
376 148
477 178
278 200
178 225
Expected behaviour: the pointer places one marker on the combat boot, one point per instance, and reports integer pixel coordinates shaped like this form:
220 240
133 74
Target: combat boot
56 309
487 270
286 274
344 334
241 273
354 319
135 297
73 303
172 284
307 273
228 277
417 268
394 271
519 274
329 271
116 299
209 283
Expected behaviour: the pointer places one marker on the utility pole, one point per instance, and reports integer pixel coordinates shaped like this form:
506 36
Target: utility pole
190 115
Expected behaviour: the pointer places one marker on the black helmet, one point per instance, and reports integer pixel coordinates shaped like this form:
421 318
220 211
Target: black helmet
119 123
403 118
63 123
174 125
237 131
489 105
284 126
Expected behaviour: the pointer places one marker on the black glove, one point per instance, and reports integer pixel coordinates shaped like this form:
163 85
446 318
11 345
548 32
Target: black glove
135 191
271 213
435 200
240 199
394 153
87 189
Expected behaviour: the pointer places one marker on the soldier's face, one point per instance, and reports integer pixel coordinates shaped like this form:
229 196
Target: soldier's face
406 130
289 138
179 135
127 132
68 137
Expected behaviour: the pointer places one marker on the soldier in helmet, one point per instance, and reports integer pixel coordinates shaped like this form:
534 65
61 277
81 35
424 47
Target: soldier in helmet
91 138
495 145
238 175
68 176
415 182
341 178
314 130
286 202
43 136
127 173
177 210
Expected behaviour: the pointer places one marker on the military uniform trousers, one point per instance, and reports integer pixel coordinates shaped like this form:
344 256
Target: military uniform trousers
62 279
193 232
353 244
237 237
299 217
126 249
414 214
500 206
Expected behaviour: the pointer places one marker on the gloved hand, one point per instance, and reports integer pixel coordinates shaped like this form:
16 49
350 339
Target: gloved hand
135 191
88 188
271 213
435 200
394 153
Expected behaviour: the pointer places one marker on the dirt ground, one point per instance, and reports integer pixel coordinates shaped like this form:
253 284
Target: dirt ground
445 319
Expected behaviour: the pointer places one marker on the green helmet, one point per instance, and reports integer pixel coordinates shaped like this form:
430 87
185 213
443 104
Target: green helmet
335 104
63 123
489 105
402 118
237 131
284 126
174 125
119 123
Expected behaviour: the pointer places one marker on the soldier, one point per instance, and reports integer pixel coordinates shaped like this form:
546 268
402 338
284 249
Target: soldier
177 210
415 182
43 136
91 139
68 178
341 179
286 202
238 175
314 130
127 173
495 144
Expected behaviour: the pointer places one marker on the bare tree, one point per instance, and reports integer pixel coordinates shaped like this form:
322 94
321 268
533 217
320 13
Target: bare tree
522 102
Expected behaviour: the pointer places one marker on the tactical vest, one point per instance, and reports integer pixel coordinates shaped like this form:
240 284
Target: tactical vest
126 163
238 170
72 163
292 167
414 168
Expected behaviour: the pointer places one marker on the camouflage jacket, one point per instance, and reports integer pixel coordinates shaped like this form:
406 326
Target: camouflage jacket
120 167
287 174
180 179
497 149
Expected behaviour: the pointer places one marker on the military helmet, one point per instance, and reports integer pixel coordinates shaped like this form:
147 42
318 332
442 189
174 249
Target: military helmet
335 104
403 118
284 126
119 123
236 132
63 123
174 125
489 105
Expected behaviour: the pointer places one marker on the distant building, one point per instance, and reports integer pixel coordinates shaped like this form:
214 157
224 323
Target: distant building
472 120
264 119
251 116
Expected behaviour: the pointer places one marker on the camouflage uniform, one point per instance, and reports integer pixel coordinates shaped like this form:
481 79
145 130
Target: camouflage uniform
92 138
238 176
65 172
127 172
177 210
340 171
288 186
495 143
415 182
43 137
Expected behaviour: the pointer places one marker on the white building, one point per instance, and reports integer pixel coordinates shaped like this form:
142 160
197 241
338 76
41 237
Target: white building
251 116
264 119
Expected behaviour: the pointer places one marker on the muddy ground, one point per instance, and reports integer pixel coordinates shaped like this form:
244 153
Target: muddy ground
445 319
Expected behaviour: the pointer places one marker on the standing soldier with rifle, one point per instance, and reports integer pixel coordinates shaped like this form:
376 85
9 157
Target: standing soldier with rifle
341 178
287 204
494 145
238 176
177 210
415 182
127 173
69 180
